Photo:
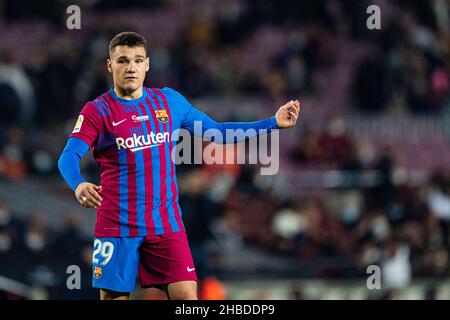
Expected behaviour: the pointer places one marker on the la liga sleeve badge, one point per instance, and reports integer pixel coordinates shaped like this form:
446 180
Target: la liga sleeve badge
78 124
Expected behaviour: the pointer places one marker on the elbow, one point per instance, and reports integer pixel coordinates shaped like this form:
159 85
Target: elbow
61 162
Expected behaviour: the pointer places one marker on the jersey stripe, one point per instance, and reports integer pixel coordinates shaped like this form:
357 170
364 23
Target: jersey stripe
132 196
148 214
123 185
173 182
156 214
167 181
110 180
163 210
140 183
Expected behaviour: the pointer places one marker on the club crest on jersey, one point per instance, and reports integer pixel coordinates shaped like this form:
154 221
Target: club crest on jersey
78 124
98 272
161 116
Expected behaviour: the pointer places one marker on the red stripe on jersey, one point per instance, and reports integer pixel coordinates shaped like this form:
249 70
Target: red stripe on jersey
172 166
132 195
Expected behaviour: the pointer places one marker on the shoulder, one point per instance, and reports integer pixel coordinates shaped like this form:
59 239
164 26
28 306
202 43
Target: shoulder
99 106
174 95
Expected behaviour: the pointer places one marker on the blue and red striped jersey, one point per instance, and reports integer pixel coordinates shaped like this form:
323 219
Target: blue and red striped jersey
132 142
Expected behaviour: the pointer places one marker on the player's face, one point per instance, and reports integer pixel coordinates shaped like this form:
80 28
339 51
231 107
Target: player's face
128 66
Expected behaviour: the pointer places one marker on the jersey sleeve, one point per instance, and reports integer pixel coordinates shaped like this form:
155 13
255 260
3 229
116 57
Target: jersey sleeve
69 161
183 106
88 125
226 132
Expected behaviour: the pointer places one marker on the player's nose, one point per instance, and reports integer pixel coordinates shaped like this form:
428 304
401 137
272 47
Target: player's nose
131 68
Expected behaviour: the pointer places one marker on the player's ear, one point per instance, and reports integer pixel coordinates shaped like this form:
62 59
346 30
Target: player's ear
147 62
108 65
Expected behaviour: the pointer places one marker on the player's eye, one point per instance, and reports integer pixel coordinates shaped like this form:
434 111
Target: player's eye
139 61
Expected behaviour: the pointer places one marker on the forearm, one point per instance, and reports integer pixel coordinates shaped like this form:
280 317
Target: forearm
239 131
69 162
233 132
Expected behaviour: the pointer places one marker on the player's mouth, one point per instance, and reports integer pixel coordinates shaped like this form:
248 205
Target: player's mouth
130 78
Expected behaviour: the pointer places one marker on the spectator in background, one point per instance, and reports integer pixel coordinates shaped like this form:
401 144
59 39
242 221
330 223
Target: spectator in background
370 81
335 143
226 231
14 76
438 202
13 154
199 212
382 196
37 238
10 229
70 240
289 225
307 151
396 269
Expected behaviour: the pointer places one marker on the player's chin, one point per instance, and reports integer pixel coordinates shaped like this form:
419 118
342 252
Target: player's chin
131 85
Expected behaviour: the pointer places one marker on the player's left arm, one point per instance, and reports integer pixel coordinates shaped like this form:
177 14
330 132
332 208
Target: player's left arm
192 118
285 117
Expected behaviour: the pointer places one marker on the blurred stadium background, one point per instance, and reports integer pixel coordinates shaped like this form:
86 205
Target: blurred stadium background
364 177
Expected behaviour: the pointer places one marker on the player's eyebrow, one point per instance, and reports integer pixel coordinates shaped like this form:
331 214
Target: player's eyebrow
125 57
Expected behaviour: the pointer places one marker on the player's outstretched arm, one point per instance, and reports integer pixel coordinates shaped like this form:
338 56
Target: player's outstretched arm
86 193
285 117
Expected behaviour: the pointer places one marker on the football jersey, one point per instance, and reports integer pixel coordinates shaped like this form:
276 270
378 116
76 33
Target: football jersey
132 142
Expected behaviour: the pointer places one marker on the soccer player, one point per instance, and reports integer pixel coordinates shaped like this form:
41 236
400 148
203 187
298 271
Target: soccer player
139 228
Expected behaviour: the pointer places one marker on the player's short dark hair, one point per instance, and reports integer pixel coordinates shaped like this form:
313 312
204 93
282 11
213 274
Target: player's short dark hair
130 39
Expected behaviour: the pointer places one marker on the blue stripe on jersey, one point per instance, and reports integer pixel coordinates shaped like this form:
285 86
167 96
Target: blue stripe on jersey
123 191
140 185
159 228
173 222
102 106
127 108
176 187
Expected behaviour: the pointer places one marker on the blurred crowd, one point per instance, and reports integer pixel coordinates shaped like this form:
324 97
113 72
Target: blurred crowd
319 50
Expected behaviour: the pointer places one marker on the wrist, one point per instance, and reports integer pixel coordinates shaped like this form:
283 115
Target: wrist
76 184
274 122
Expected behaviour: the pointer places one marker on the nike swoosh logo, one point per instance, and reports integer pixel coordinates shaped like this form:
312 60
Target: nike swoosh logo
117 123
190 270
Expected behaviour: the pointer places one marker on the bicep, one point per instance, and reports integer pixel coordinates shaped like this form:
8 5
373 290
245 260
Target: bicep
197 122
77 145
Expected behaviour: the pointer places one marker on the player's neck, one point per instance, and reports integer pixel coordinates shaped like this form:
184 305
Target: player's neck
127 95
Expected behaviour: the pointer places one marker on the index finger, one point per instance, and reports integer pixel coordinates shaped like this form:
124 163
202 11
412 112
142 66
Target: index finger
297 106
94 194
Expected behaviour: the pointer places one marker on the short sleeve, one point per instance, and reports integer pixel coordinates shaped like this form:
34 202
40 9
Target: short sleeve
88 125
